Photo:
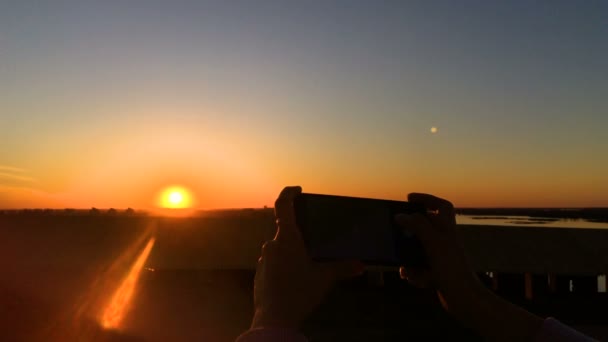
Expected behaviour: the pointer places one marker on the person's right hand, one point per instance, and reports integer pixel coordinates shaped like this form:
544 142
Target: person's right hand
459 290
449 271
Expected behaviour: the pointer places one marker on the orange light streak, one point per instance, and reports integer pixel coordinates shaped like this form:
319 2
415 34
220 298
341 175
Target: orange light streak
118 306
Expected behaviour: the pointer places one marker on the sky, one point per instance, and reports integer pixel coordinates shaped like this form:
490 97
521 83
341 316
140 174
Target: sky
485 103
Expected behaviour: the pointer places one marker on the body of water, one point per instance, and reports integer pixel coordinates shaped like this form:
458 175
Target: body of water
528 221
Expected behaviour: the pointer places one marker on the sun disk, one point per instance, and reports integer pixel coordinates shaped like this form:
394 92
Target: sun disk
175 198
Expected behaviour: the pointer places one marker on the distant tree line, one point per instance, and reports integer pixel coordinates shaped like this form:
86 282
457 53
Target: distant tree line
74 212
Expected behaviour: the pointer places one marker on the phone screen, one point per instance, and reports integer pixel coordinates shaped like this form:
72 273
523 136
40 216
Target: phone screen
347 228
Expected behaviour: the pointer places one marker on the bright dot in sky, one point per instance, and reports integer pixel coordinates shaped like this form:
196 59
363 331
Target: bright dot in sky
176 197
434 129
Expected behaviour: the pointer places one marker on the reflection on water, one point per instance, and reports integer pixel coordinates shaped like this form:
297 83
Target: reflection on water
548 222
119 304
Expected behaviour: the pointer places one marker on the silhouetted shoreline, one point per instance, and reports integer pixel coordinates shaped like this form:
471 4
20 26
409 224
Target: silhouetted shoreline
589 214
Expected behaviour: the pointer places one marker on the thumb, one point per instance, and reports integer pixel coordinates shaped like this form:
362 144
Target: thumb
342 269
417 224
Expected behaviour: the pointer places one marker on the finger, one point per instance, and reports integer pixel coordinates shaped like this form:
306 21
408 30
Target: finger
432 202
287 229
419 278
265 251
290 238
444 209
402 273
277 255
419 225
260 267
269 248
337 270
283 206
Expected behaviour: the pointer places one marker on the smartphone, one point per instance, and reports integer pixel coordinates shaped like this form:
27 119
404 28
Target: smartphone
352 228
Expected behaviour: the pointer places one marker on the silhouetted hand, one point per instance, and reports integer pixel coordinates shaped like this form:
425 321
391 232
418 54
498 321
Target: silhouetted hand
288 285
449 271
459 290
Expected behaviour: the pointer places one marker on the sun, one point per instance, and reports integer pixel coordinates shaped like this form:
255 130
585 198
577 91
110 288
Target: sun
176 197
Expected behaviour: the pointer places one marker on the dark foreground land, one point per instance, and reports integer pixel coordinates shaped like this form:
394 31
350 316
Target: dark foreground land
58 273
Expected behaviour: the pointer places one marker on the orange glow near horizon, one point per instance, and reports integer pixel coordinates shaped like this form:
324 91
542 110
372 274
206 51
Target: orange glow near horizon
119 304
176 197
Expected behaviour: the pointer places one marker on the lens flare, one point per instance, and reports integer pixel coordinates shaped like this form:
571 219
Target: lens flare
119 304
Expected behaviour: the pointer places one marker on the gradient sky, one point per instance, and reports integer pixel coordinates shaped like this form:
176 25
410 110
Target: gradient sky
106 103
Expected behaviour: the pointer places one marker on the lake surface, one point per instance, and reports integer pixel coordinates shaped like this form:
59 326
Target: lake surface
519 221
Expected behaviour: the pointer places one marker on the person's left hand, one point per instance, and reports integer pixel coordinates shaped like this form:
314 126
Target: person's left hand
288 285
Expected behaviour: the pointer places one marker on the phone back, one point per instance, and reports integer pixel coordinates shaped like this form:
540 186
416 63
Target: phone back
351 228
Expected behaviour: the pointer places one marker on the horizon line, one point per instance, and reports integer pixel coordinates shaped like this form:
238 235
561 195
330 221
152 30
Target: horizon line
269 207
